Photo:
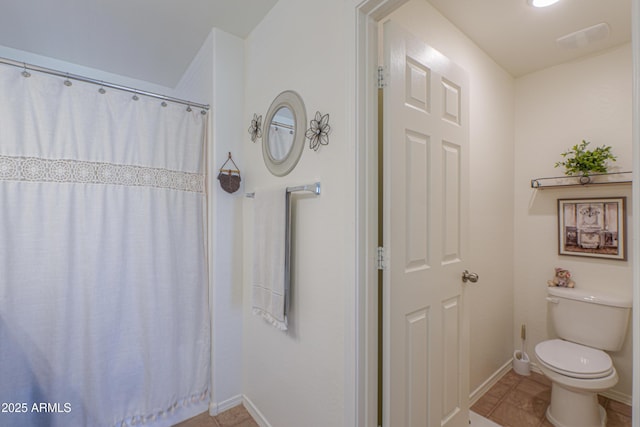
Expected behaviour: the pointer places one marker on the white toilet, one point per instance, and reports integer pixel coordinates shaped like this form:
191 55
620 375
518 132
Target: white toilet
587 323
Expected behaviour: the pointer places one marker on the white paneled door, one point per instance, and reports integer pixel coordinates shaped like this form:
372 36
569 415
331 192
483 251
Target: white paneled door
426 159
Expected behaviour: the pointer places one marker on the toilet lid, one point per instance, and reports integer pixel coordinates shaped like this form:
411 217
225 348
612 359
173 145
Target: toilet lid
574 360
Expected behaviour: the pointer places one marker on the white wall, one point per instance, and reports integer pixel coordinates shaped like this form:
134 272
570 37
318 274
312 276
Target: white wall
298 377
216 75
555 109
491 183
228 129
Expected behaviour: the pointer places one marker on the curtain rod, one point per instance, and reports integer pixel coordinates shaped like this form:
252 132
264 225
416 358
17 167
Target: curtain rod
282 125
102 83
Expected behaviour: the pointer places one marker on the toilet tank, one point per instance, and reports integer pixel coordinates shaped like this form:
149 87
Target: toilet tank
591 318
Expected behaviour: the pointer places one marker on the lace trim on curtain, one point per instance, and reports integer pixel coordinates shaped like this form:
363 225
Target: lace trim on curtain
162 413
76 171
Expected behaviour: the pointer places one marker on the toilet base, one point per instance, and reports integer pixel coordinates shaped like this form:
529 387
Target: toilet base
570 408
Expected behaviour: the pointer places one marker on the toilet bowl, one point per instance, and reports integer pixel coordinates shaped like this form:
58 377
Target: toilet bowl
577 373
587 323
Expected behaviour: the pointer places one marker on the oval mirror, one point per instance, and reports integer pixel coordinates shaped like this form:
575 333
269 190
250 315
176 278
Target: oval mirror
283 135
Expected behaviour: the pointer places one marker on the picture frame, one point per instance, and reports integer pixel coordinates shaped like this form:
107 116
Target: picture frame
593 227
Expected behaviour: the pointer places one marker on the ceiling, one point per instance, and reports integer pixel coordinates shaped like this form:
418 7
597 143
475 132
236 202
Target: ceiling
150 40
522 39
155 40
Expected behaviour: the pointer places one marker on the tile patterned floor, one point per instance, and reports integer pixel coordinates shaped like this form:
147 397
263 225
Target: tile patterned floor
517 401
234 417
514 401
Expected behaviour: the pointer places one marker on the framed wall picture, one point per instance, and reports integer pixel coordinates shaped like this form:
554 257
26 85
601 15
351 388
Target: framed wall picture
592 227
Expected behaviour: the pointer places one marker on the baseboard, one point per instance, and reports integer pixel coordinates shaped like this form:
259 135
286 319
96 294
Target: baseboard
255 412
534 368
618 397
216 408
473 397
490 382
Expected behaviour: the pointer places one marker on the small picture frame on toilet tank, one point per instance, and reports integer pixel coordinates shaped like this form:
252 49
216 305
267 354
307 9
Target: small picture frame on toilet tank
593 227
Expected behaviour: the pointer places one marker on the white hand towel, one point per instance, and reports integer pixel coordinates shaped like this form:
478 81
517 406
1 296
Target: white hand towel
269 256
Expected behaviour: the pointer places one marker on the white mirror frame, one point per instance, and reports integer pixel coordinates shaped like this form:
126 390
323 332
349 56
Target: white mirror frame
293 102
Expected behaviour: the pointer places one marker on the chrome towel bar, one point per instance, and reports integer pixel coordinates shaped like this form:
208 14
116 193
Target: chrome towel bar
312 188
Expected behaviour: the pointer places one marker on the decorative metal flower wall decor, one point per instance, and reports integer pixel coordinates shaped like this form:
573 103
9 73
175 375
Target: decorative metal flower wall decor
255 130
318 133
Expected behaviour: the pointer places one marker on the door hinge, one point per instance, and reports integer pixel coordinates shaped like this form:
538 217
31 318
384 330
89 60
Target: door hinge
381 259
381 82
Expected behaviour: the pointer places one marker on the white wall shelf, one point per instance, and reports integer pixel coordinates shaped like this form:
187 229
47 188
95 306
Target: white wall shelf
581 181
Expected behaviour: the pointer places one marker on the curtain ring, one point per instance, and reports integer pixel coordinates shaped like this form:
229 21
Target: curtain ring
102 90
25 73
67 82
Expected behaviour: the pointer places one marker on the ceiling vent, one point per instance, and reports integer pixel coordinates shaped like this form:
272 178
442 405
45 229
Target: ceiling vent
584 37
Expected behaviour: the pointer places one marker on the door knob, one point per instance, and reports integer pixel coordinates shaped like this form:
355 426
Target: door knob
469 277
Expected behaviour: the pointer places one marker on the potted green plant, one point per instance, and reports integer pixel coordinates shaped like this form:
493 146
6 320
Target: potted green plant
583 162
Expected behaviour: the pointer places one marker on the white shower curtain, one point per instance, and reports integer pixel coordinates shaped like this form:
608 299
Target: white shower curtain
103 285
